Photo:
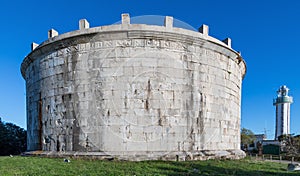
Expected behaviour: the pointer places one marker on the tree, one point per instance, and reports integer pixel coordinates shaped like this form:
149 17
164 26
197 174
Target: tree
247 137
12 139
290 144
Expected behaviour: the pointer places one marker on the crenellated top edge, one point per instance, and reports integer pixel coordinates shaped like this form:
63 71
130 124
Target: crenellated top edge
168 27
84 28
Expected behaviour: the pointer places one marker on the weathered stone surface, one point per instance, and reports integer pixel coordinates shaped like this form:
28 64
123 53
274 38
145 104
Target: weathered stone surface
34 45
83 24
52 33
144 92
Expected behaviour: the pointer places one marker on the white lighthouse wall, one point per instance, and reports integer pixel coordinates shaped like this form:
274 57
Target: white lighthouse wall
278 120
286 117
282 119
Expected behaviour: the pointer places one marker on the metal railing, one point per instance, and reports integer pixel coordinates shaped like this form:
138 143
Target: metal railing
279 158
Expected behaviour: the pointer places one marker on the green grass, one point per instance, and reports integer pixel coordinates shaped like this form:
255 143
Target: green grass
55 166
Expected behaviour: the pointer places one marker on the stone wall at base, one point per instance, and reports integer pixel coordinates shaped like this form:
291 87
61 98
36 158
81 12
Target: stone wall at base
142 156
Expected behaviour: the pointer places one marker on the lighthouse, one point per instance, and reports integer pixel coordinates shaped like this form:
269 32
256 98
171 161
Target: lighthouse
282 103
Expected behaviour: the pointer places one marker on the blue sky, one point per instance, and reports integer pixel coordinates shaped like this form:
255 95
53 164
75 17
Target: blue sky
266 32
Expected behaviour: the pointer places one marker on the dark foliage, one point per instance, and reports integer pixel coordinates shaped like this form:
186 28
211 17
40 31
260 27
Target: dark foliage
12 139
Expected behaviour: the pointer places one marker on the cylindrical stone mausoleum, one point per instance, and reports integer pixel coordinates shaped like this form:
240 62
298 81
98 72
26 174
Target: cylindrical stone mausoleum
134 92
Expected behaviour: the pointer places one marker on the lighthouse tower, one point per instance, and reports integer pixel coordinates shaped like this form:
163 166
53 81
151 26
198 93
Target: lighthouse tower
282 103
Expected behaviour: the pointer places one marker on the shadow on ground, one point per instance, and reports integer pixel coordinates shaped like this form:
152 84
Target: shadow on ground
201 168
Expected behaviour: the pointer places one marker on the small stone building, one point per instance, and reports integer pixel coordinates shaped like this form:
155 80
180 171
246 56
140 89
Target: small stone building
134 92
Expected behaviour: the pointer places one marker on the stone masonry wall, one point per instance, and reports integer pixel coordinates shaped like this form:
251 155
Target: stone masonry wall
133 89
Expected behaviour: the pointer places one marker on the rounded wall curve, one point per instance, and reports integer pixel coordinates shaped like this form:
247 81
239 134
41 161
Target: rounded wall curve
133 92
